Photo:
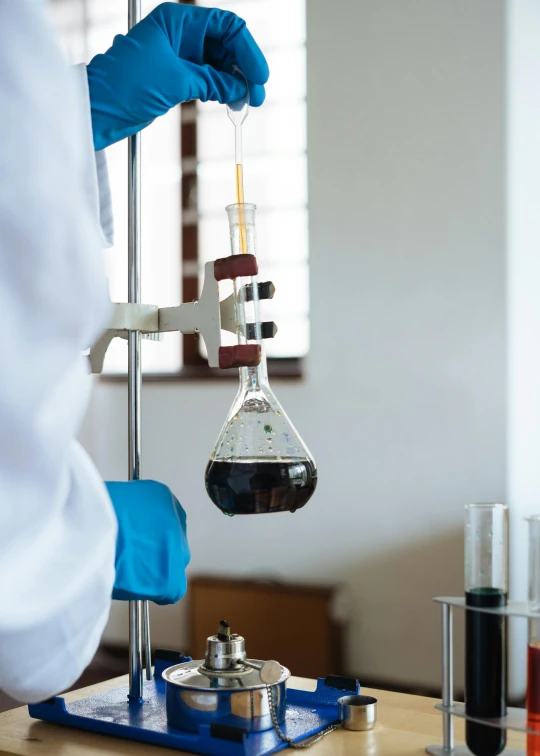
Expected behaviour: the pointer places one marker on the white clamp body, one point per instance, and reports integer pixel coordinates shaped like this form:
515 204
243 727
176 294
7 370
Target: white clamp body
206 316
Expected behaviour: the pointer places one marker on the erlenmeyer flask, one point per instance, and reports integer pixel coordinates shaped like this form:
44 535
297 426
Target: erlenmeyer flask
259 464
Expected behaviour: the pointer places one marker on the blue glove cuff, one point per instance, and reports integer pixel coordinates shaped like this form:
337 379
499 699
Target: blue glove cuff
152 551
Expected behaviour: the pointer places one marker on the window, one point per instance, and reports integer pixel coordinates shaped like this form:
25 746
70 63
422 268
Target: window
195 173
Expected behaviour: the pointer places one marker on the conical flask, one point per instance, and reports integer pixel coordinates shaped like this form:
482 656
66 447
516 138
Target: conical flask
259 464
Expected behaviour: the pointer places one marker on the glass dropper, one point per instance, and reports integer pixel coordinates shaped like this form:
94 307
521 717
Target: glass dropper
238 112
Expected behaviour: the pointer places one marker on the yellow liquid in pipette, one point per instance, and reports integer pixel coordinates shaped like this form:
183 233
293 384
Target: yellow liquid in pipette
240 202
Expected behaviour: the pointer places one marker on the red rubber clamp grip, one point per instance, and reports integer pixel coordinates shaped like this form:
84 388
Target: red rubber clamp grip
235 266
242 355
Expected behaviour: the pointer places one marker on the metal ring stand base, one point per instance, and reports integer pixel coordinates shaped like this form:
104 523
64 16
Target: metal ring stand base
309 715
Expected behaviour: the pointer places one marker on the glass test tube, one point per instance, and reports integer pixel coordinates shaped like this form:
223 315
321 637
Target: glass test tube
533 649
486 585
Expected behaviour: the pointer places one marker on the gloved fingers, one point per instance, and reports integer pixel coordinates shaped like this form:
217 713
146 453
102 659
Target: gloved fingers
205 83
214 56
229 32
257 94
209 35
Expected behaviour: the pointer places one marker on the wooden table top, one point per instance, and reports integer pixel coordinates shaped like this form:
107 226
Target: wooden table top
406 725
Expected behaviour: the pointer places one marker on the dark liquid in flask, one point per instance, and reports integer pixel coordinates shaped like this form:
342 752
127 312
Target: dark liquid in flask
257 486
485 671
533 698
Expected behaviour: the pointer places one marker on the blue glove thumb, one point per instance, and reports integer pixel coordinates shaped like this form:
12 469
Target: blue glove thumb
152 551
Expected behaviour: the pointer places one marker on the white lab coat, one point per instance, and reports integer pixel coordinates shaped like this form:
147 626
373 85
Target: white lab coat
57 525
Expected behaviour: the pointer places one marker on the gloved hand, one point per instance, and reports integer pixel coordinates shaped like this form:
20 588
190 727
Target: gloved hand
176 54
152 551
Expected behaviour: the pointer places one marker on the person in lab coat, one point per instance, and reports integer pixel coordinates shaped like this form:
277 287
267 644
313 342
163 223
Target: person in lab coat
68 541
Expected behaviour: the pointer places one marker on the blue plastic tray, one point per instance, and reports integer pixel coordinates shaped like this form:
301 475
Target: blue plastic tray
111 713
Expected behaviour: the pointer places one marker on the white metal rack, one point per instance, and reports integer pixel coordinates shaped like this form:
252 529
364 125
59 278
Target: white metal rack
515 719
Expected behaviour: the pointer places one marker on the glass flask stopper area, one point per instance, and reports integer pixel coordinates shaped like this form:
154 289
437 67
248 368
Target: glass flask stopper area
259 463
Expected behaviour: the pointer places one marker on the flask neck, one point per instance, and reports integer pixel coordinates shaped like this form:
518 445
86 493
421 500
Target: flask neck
255 378
242 237
242 228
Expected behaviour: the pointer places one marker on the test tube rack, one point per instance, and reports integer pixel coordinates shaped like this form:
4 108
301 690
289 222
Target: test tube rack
515 719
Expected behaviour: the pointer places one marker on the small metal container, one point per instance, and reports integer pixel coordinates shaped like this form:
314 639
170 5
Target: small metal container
225 688
358 712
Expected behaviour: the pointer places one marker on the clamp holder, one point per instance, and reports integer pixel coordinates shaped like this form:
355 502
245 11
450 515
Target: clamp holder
206 316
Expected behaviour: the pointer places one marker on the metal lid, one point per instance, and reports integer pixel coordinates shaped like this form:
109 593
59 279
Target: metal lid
194 675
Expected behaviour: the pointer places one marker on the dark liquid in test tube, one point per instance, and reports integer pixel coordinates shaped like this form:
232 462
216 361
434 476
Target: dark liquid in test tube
485 671
533 698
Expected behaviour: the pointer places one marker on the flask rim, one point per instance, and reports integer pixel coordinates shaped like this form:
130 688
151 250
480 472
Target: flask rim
244 205
486 505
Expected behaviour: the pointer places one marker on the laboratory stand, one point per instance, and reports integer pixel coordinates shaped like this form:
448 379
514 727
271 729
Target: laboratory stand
259 464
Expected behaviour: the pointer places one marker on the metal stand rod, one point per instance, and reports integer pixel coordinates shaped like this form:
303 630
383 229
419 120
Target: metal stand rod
147 647
447 677
138 610
135 650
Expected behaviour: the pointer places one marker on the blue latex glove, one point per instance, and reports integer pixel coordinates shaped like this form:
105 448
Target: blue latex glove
152 551
176 54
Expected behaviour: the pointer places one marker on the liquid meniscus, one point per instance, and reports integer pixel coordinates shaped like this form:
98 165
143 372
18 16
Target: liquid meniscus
485 672
259 486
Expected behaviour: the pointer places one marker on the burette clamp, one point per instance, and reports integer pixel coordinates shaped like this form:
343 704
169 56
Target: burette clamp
207 317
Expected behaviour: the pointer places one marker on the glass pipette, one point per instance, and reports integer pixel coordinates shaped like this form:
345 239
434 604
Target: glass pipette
237 112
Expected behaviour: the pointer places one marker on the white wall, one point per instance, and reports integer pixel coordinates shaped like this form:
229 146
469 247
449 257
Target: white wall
403 405
523 255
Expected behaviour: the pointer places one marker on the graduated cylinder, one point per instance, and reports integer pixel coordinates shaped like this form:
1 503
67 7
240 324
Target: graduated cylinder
486 585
